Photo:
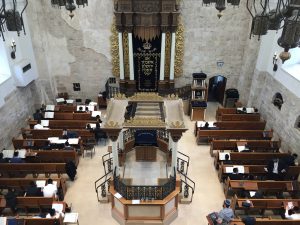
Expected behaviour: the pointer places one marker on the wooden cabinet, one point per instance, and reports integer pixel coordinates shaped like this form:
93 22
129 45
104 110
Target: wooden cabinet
199 97
145 153
101 102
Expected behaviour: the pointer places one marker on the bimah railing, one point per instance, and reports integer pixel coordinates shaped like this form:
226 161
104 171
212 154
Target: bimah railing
144 192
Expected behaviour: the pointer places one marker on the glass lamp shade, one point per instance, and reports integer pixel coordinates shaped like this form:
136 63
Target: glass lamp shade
220 5
290 36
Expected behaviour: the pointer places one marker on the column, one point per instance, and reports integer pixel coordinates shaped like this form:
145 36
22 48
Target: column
174 157
172 56
162 56
121 60
170 141
121 140
115 156
130 46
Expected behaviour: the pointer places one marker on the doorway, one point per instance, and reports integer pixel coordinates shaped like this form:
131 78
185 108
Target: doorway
216 89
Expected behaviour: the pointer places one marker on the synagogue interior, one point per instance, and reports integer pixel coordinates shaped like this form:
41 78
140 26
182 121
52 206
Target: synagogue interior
150 112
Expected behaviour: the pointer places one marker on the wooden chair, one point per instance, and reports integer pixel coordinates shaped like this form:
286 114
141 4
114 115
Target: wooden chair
89 146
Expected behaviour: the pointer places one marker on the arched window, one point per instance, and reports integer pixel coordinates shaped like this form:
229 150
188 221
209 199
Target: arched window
297 124
277 100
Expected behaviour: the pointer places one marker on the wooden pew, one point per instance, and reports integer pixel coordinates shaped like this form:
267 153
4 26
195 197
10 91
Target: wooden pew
42 221
258 170
204 136
234 125
29 143
239 117
254 145
45 134
221 110
21 169
23 183
64 124
252 158
72 116
261 204
267 221
291 187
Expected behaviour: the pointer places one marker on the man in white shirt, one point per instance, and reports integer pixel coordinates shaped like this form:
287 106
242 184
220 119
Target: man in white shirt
50 189
290 213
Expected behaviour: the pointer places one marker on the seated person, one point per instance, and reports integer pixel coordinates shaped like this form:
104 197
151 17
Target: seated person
98 119
227 160
226 214
16 158
54 214
39 126
87 109
1 158
33 190
50 189
38 115
291 160
88 127
276 169
236 175
68 146
98 132
290 213
80 110
65 134
205 127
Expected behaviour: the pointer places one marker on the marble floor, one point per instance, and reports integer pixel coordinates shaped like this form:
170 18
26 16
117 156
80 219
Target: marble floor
208 195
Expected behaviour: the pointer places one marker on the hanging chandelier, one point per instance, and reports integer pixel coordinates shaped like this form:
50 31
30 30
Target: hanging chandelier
69 5
11 19
285 16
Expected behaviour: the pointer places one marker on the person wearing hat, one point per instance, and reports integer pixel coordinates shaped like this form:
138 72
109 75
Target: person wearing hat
226 214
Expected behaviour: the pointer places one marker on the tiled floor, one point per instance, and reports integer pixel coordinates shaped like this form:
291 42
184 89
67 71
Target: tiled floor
208 194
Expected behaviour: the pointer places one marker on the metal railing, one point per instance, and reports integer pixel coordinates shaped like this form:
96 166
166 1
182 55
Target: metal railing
107 163
144 192
187 186
183 163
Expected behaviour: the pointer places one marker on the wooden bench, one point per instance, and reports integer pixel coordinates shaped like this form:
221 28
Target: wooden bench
204 136
258 170
239 117
23 183
64 124
38 221
53 156
22 169
267 221
268 187
234 125
253 145
252 158
45 134
72 116
261 204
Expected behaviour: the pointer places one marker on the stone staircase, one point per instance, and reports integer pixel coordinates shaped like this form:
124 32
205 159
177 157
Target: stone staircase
148 110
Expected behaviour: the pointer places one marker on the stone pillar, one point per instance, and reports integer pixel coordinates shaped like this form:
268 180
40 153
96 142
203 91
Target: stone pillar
172 56
121 140
115 156
174 157
162 56
121 60
131 67
170 142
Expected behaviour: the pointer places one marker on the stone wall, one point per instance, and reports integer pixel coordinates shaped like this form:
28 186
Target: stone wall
78 49
264 87
18 106
209 39
71 50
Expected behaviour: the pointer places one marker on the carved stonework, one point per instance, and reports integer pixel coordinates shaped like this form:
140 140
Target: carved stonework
172 97
177 124
167 54
146 96
179 50
126 54
119 96
111 124
144 122
114 43
176 133
146 15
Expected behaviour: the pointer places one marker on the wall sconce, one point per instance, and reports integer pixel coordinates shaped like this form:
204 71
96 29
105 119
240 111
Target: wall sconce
13 49
275 58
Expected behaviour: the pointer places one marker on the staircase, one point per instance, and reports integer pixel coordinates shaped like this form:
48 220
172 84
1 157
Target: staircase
148 110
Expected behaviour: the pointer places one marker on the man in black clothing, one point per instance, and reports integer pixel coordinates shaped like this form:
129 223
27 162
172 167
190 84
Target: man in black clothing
33 190
291 160
1 158
235 175
38 115
276 169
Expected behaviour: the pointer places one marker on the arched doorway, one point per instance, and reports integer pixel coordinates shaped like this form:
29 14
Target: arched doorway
216 89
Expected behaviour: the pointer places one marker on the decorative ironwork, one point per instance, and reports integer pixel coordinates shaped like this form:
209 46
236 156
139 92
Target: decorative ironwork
186 191
114 43
69 5
144 192
103 190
